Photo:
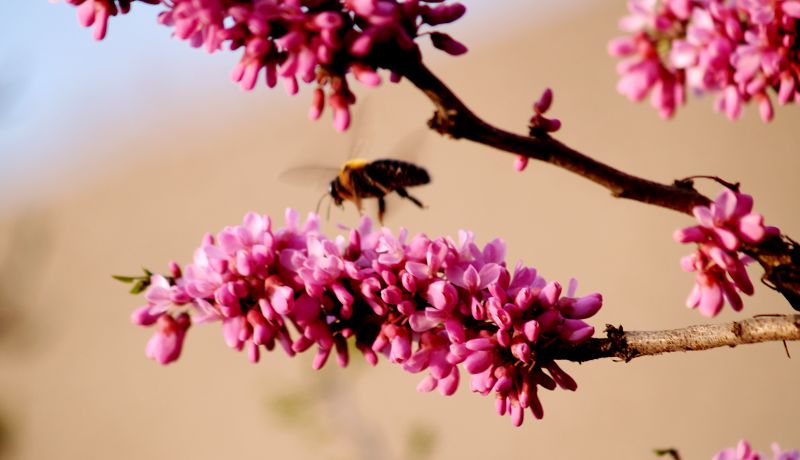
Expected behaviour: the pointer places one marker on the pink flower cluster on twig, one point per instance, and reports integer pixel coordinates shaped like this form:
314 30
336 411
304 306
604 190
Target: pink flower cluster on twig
743 451
320 41
426 304
721 273
743 50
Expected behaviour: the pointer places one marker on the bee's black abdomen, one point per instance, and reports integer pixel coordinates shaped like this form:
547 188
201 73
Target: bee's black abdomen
397 173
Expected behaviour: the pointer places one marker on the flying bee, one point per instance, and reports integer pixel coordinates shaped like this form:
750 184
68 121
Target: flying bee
360 178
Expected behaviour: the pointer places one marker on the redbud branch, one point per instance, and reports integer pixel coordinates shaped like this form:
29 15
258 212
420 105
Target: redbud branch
779 256
453 118
626 345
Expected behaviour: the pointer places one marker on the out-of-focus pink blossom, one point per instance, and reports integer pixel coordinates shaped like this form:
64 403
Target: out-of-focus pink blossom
429 305
721 275
741 51
520 163
300 41
95 13
448 44
743 451
540 125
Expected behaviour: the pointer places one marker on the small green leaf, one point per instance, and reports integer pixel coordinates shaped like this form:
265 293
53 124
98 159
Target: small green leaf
125 279
671 452
140 286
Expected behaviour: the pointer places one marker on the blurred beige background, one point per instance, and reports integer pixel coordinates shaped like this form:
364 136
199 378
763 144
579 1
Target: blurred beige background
136 180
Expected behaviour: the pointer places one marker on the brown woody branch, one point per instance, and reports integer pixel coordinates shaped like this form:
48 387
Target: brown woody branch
453 118
628 345
779 256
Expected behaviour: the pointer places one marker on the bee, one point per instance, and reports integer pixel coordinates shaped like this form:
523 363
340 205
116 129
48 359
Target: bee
359 178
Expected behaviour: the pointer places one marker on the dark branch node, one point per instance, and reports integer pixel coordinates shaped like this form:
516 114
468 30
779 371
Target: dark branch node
736 328
444 123
779 256
619 343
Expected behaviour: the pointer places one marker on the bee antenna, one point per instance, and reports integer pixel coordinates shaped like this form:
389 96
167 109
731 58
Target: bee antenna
328 212
319 203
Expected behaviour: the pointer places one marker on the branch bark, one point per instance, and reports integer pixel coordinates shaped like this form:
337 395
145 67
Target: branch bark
628 345
453 118
779 256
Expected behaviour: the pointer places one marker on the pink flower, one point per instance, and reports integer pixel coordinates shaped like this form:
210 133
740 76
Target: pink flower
166 344
721 275
447 44
520 163
643 71
428 305
96 12
741 51
743 451
539 125
295 42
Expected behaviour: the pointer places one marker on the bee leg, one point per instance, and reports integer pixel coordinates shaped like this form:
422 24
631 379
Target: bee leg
381 209
357 201
403 193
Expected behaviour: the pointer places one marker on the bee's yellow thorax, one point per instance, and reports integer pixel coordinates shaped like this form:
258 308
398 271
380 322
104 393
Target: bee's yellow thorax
355 163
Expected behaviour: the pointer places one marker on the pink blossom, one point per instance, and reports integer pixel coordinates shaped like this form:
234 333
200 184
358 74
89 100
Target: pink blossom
294 42
721 275
740 51
540 125
95 13
429 305
520 163
743 451
447 44
166 344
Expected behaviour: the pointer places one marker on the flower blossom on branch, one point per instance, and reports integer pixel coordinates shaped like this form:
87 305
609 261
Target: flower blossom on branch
428 305
313 41
721 273
743 451
742 51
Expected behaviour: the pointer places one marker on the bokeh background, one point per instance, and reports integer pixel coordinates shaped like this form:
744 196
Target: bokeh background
122 154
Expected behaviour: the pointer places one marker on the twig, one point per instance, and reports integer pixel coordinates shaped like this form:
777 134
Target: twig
455 119
633 344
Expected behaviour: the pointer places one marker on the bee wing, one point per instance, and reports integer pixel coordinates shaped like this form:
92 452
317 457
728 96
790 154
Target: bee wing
309 175
357 142
407 148
410 146
315 174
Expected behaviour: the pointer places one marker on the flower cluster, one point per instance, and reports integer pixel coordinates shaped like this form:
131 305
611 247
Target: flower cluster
428 305
741 50
743 451
318 41
721 272
539 125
